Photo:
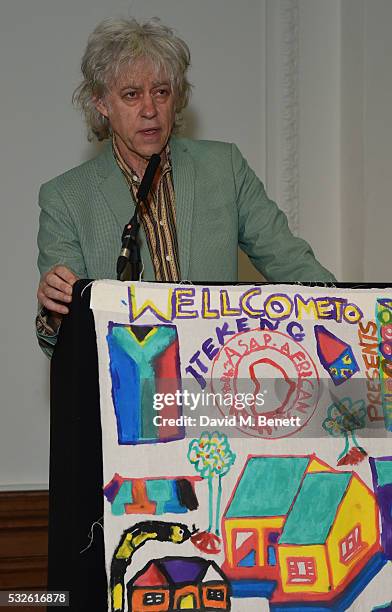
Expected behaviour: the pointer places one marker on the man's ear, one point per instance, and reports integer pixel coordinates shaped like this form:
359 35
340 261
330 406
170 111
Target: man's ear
101 106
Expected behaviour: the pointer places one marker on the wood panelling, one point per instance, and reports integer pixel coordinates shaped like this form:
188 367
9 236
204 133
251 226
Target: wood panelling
23 540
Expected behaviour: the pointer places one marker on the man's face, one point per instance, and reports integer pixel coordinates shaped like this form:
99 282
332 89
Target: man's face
140 107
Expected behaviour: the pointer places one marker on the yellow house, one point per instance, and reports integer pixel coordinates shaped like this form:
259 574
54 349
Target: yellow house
297 522
257 511
330 534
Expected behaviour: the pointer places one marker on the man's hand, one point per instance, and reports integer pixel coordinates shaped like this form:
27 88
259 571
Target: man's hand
55 291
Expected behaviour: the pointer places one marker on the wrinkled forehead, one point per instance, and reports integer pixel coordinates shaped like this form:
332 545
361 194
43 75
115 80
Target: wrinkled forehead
141 71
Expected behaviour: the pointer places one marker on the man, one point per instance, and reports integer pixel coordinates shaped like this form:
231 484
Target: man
205 200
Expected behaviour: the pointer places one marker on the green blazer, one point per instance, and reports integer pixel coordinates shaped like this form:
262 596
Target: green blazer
220 204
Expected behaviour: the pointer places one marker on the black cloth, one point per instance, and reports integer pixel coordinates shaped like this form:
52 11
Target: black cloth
75 476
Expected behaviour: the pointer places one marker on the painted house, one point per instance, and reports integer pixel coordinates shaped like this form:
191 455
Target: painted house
179 583
155 495
298 522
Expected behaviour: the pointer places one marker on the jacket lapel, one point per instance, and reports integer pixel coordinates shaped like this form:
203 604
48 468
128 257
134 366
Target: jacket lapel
114 187
184 188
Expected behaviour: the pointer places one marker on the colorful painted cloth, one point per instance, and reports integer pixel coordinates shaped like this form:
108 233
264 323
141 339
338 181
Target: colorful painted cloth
247 446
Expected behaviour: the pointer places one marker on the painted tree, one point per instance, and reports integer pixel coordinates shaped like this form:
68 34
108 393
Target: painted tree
344 418
212 458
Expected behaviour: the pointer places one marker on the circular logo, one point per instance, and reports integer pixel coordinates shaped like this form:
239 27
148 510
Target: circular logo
270 383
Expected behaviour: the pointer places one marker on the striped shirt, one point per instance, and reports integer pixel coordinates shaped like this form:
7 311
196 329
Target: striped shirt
158 216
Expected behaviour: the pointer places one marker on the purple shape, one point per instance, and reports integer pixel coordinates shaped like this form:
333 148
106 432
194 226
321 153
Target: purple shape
185 570
113 487
273 537
383 492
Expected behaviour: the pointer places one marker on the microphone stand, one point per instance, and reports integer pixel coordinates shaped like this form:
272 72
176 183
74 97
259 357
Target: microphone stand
130 252
130 249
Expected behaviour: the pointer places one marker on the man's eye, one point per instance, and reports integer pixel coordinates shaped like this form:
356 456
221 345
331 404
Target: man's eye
162 92
131 94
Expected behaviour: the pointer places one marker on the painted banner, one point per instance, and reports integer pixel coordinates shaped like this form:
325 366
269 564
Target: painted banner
247 446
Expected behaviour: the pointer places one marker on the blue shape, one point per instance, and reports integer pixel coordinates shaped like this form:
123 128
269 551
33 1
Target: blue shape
300 608
253 588
271 554
343 367
173 504
124 496
159 491
355 588
164 493
125 392
132 367
249 560
175 508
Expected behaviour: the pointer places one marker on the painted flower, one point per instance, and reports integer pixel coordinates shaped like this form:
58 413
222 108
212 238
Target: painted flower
345 416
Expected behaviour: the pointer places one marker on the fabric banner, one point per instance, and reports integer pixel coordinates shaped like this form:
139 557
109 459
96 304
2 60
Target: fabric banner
247 446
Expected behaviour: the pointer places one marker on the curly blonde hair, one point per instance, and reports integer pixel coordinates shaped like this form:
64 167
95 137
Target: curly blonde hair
118 43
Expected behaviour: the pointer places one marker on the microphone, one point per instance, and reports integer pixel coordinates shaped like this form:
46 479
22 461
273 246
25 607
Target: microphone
130 251
148 178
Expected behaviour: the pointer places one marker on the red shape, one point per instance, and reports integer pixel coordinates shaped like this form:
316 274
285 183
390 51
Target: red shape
168 380
251 543
290 383
301 570
152 577
207 542
330 347
353 457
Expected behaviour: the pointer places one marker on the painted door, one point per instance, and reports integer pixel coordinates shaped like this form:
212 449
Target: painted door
187 602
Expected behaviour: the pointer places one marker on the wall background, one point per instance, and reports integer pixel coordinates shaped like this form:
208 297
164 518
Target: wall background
302 86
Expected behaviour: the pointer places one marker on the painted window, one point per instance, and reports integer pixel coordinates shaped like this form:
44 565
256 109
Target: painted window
351 545
273 537
244 548
301 570
152 599
215 594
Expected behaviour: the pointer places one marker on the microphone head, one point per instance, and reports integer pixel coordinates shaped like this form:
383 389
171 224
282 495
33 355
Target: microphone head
148 177
155 159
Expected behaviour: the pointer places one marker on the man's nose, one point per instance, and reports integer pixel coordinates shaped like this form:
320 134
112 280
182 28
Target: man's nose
149 109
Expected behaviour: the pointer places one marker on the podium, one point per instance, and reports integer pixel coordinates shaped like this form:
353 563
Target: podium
76 552
76 546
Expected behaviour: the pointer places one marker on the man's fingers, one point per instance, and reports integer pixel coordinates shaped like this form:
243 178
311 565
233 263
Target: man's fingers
51 279
55 294
52 306
61 278
55 288
66 274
